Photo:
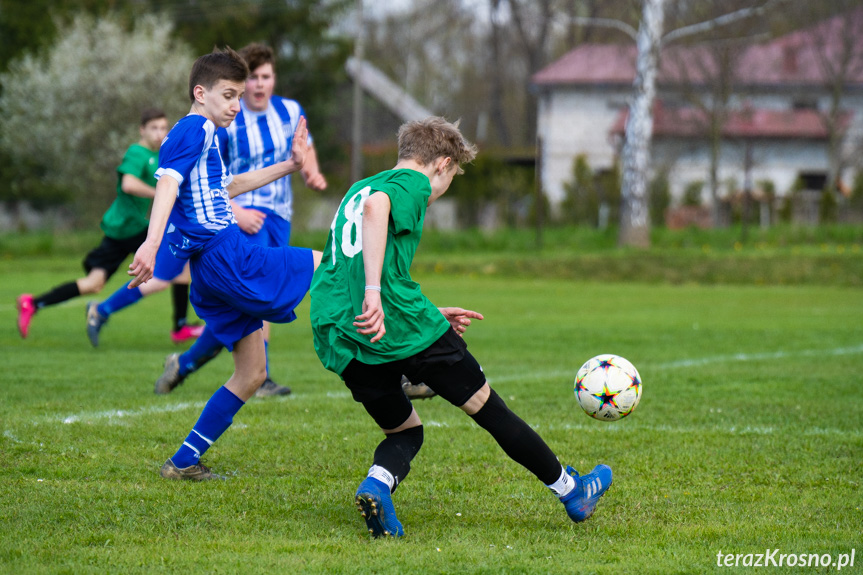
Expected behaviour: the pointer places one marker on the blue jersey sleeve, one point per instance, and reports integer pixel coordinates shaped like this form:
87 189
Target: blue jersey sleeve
224 148
181 150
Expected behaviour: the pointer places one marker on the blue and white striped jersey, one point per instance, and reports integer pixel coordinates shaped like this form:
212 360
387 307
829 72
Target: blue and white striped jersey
192 154
260 139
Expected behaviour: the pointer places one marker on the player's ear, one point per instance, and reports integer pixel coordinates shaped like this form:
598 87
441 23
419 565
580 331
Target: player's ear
444 164
198 92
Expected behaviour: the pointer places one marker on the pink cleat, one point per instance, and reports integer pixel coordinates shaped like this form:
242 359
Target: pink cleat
26 311
186 333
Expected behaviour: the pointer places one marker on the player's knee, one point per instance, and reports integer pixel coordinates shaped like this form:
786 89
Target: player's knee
260 376
90 286
477 400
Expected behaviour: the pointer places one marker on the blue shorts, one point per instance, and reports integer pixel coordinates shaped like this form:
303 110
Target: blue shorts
275 233
168 265
237 284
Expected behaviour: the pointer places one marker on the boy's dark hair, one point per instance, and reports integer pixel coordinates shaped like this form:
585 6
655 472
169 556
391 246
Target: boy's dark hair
218 65
150 114
432 138
257 55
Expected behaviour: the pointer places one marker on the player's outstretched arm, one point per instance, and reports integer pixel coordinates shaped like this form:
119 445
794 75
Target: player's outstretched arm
376 214
144 262
136 187
253 180
459 318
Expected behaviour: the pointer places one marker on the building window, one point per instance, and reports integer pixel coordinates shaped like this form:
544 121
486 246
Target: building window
805 104
813 180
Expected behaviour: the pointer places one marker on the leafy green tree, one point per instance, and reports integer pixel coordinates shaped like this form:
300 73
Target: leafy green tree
692 193
581 202
659 195
310 55
66 117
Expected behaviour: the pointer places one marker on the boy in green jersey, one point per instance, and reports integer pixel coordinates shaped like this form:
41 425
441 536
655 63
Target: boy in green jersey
372 324
124 224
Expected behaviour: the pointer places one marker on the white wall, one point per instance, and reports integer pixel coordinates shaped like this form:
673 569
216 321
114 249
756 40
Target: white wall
573 122
577 120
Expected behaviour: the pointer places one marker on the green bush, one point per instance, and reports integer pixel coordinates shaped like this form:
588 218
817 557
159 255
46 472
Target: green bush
659 198
490 178
692 193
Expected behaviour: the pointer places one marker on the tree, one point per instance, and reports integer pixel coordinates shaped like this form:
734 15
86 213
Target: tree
839 54
311 54
67 117
713 67
649 38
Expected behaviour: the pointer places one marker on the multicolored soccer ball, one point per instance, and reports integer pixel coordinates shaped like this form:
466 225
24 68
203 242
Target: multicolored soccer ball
608 387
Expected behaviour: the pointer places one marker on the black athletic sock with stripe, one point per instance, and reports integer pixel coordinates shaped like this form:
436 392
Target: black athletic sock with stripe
396 452
518 439
57 295
180 297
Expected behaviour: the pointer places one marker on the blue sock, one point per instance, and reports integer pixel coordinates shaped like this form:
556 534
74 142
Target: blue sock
121 298
205 348
267 355
215 419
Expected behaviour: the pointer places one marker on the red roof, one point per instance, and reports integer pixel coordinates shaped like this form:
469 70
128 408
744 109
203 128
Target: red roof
747 123
793 59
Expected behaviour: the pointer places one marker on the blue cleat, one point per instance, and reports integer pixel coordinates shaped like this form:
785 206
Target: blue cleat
581 501
376 506
95 321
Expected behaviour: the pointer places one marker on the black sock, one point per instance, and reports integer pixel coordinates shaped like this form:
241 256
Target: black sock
59 294
518 439
180 297
396 452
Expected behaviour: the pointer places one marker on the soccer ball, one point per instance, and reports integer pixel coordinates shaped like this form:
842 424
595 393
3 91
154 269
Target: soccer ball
608 387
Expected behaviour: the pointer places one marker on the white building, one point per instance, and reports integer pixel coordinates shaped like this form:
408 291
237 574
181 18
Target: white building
778 108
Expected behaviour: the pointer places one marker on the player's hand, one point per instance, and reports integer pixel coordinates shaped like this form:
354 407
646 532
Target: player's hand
316 181
459 318
142 265
300 143
250 220
371 321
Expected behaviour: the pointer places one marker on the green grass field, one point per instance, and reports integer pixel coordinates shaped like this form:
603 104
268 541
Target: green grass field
749 437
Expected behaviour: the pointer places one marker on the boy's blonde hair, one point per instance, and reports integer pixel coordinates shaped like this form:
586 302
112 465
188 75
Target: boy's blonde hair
426 140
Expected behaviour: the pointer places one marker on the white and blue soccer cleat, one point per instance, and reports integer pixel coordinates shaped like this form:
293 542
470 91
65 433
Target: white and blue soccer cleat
580 503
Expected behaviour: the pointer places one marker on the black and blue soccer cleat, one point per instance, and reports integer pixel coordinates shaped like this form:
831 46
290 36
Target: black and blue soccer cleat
376 506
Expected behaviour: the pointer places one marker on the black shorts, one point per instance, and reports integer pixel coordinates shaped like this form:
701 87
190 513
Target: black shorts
446 366
109 254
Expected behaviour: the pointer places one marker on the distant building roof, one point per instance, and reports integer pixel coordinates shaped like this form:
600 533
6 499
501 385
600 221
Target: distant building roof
793 59
745 124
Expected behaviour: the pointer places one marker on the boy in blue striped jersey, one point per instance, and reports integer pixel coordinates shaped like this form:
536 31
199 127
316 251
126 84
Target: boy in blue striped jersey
259 136
235 284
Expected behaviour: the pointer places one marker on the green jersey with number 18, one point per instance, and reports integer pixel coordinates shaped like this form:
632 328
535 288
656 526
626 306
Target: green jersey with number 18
412 322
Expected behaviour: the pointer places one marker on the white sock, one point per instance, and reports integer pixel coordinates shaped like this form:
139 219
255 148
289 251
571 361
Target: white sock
382 475
563 485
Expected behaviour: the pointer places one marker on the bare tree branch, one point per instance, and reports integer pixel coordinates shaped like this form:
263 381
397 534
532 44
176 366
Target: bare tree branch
715 23
606 23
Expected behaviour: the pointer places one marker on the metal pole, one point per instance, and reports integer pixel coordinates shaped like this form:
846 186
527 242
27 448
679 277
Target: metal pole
357 131
539 198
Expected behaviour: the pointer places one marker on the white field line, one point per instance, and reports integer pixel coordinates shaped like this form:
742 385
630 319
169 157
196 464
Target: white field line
634 427
733 358
114 416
